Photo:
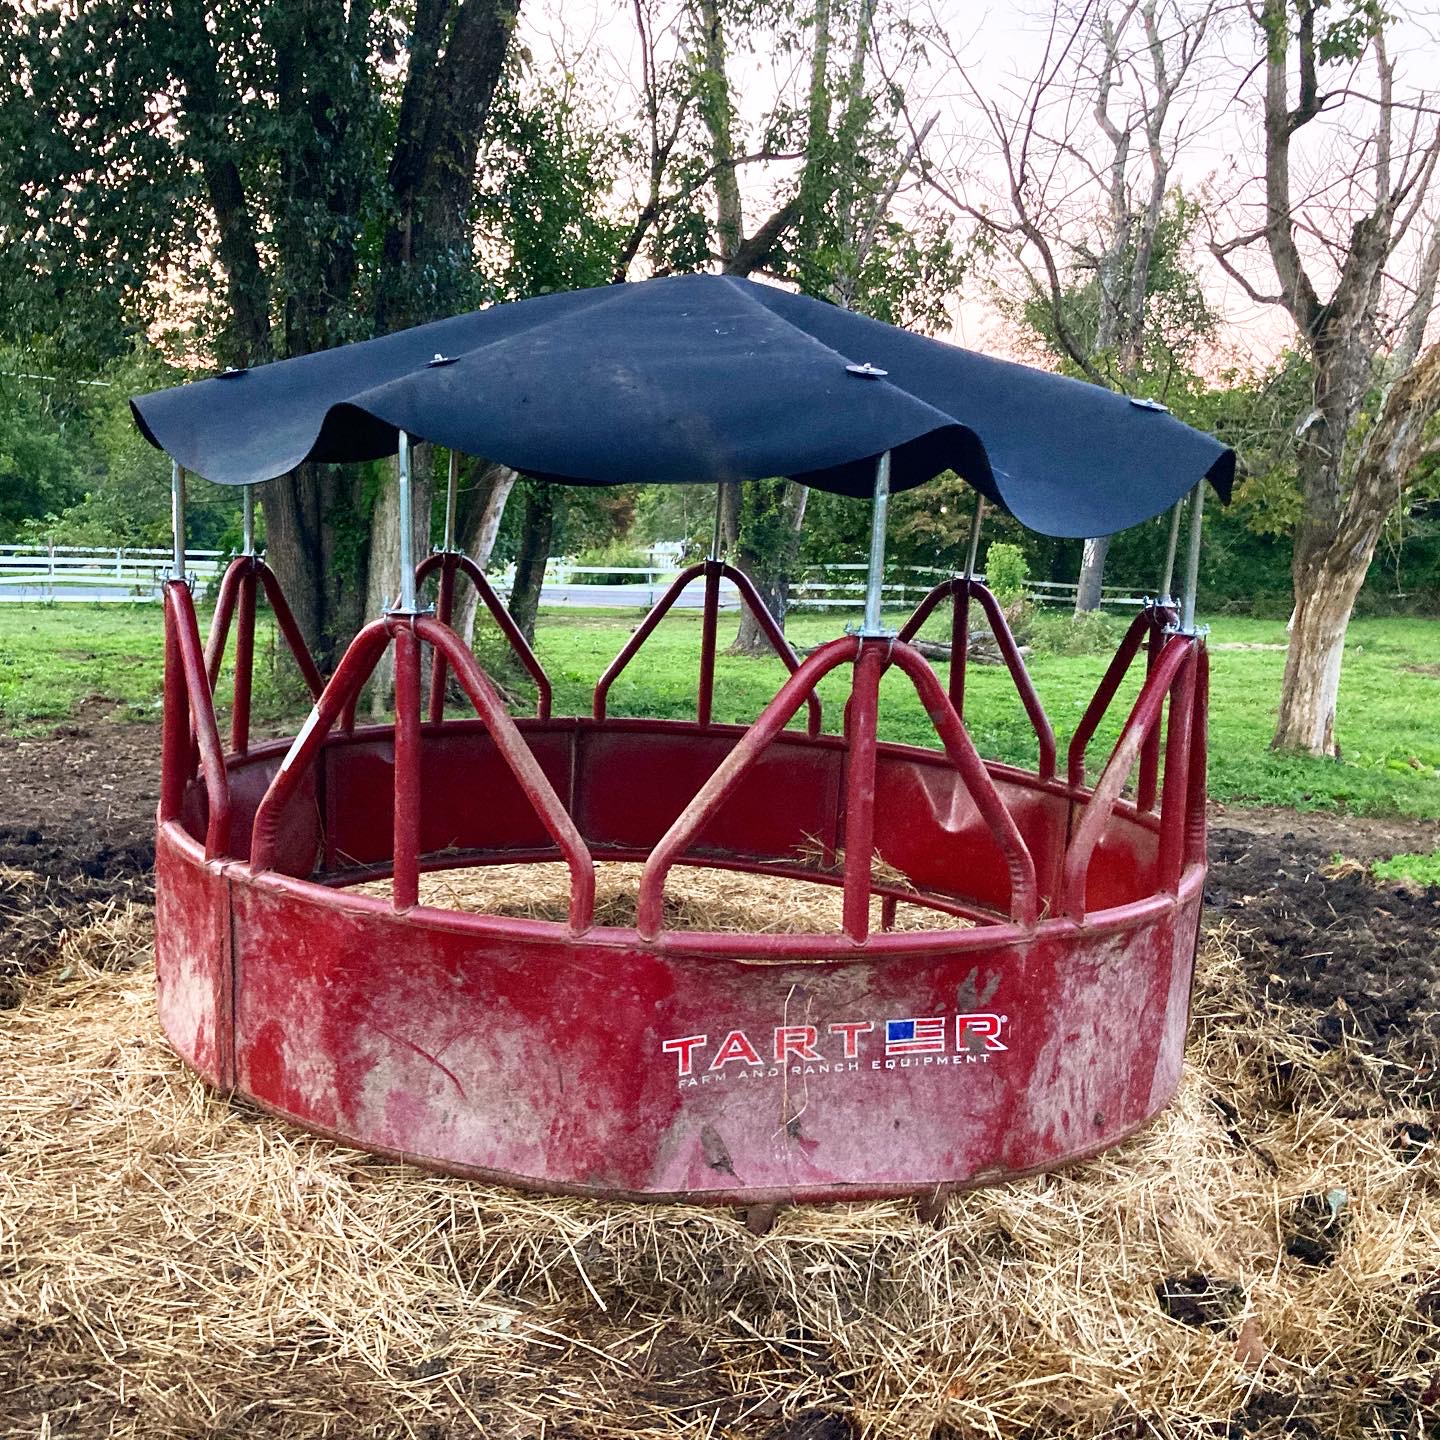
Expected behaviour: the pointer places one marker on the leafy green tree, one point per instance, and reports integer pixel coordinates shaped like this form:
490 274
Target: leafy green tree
305 170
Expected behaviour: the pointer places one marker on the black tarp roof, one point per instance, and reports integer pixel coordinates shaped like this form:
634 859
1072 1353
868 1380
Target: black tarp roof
699 378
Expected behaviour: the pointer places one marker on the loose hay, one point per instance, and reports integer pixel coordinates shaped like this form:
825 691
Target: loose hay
697 897
173 1265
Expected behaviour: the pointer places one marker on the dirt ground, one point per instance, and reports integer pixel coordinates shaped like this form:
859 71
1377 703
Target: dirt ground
1347 968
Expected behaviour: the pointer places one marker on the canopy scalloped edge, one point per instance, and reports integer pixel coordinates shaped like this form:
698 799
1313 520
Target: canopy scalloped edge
699 378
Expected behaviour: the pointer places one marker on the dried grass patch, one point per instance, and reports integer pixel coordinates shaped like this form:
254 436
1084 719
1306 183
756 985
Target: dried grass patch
172 1265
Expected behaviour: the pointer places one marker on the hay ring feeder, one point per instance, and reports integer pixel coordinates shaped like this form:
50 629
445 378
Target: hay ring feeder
1038 1016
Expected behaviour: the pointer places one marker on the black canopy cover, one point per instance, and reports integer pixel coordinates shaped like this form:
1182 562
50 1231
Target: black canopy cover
699 378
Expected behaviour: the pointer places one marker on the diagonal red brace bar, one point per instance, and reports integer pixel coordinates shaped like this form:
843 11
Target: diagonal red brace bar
1024 893
1140 629
236 603
523 765
355 668
449 563
1024 900
1144 717
713 572
713 793
962 591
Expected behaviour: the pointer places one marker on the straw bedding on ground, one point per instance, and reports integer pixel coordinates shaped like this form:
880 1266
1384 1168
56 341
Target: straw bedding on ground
1264 1260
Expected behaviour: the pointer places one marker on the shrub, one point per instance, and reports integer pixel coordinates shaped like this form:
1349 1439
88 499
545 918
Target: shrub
1006 572
618 554
1094 633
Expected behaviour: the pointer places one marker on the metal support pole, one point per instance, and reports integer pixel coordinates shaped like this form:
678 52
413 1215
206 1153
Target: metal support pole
974 550
874 580
177 516
452 497
1165 596
247 512
1192 560
719 507
407 531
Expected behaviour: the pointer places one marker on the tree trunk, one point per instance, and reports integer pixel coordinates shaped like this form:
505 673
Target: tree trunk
457 56
476 537
1333 554
309 516
768 562
538 530
1311 688
1092 575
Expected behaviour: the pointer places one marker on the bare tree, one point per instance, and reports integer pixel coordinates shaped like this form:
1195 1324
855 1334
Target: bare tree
1365 340
1082 208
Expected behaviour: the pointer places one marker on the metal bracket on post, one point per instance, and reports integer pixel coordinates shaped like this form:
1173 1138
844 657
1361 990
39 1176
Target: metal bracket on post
876 575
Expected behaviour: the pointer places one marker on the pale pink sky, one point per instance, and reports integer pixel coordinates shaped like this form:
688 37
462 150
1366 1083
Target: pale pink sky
1003 44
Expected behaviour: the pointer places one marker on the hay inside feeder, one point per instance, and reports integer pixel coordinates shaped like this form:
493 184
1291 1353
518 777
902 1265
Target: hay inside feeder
697 897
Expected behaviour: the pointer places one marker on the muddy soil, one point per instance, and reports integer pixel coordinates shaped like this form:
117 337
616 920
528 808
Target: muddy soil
1357 960
77 832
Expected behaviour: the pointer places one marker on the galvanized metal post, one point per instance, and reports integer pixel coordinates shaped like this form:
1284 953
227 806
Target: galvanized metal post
177 516
1165 596
1192 560
406 603
719 507
452 497
880 509
974 549
248 519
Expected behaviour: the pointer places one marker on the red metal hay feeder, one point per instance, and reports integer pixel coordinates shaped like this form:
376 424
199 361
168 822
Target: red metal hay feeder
648 1062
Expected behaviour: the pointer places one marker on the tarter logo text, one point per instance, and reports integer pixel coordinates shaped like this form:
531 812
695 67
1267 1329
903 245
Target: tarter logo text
844 1047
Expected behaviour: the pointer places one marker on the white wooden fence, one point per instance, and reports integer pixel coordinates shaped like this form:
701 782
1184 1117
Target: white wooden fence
72 573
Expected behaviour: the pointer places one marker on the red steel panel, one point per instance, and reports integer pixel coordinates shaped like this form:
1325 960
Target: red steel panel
469 797
607 1066
192 954
783 806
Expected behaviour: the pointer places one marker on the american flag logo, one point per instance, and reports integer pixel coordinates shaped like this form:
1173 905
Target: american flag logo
915 1037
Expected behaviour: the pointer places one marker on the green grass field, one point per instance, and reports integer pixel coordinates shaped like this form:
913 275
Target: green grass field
53 657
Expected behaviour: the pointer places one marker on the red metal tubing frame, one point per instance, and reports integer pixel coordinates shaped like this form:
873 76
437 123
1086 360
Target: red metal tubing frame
354 670
238 591
523 765
713 572
405 830
448 562
188 699
1199 757
1149 622
859 817
861 718
1167 678
1024 891
960 590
